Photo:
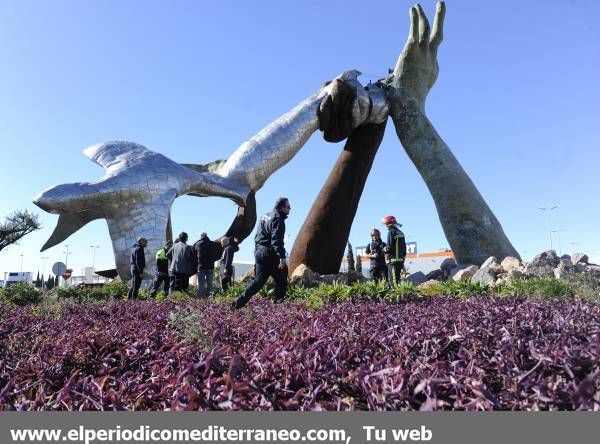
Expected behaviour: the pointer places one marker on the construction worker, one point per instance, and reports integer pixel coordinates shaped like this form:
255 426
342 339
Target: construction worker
376 253
396 248
162 270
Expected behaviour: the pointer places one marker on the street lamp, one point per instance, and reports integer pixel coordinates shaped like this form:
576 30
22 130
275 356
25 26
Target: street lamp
43 258
66 253
93 247
547 210
21 266
558 236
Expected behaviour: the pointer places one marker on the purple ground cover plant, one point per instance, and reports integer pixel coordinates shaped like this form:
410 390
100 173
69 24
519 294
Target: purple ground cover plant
483 353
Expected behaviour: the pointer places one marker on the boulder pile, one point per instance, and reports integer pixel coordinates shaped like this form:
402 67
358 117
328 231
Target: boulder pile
494 272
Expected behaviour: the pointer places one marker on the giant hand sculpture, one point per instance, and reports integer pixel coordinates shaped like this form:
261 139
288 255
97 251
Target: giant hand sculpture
471 228
139 187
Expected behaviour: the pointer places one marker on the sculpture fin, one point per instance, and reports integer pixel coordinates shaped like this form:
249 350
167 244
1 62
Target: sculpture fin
207 167
145 219
109 154
67 225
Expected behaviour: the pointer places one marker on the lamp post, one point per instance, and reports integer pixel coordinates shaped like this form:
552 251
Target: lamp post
558 236
93 247
43 258
547 210
66 253
21 266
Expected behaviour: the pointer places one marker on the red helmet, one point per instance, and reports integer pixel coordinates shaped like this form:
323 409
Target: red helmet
375 231
389 220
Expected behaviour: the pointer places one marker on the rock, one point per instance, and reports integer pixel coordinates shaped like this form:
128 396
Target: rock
304 276
565 263
514 274
466 273
543 264
428 284
510 263
343 278
566 256
247 276
492 264
580 257
579 268
437 275
560 272
447 266
484 276
418 278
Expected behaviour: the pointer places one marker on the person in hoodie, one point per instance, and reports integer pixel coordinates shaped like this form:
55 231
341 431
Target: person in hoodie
376 253
269 254
206 254
396 248
182 263
137 263
162 270
226 263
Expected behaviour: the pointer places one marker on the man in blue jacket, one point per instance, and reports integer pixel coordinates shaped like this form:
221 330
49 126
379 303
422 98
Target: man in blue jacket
269 254
137 263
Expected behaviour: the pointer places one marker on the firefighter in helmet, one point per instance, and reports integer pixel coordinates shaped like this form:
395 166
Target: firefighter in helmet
395 249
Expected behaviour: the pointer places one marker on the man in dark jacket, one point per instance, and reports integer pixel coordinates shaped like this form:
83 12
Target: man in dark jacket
376 253
137 263
269 254
162 270
205 251
396 248
182 266
226 263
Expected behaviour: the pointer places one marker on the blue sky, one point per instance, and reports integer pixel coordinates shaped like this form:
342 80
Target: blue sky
516 100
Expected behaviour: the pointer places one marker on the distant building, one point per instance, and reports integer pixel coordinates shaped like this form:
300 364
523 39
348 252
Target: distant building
424 262
11 277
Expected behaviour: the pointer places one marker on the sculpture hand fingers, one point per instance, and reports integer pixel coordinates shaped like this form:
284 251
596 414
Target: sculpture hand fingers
423 25
438 27
413 33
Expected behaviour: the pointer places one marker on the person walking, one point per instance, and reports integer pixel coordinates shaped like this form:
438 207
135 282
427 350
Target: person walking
162 270
269 254
226 262
396 248
137 263
204 250
182 266
375 251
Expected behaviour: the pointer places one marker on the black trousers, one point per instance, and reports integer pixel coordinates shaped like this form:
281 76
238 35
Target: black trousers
379 272
160 278
395 271
267 265
136 282
181 281
226 276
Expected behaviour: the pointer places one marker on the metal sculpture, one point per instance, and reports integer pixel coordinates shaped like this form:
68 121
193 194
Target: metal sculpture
137 192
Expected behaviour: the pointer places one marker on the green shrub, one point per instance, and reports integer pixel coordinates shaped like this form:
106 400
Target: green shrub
20 293
402 290
313 301
191 327
49 307
536 286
